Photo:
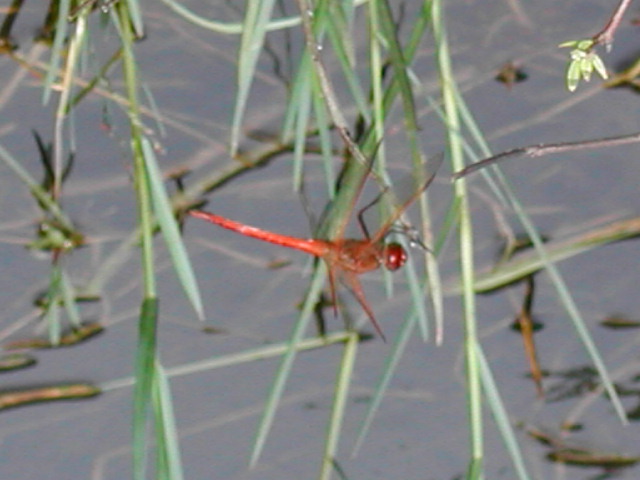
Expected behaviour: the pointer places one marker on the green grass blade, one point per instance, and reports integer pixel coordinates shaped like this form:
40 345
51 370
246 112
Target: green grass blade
381 21
147 324
302 104
36 190
378 115
157 116
344 205
300 83
400 58
168 447
133 6
95 80
529 262
401 84
280 379
391 363
52 308
56 49
343 381
74 51
170 231
564 295
246 356
417 300
477 136
145 378
501 416
326 145
68 295
112 264
433 278
400 66
253 33
474 394
307 89
566 299
338 32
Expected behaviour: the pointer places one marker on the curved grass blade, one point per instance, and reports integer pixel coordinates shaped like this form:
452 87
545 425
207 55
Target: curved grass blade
170 231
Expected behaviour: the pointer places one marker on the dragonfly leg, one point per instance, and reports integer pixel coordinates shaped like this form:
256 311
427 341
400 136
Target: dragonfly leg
332 287
361 222
356 289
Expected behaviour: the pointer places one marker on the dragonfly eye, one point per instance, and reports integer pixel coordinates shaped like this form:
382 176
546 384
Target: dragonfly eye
395 256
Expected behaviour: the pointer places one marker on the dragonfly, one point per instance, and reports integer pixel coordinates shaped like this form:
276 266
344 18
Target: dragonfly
346 258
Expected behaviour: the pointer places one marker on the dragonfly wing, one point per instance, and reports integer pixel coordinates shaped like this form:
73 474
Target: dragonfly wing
351 182
418 183
356 288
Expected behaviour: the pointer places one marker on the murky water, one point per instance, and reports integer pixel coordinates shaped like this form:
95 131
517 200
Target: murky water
420 430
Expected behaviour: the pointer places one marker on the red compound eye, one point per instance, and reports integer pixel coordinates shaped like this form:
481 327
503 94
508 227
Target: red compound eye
395 256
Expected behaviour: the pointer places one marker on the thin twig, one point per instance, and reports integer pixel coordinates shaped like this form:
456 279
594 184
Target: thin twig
547 149
325 84
605 37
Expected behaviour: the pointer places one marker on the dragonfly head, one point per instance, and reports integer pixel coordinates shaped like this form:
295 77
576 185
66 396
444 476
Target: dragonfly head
395 256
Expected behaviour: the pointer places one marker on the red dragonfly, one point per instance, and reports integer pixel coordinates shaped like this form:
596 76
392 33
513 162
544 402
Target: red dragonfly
346 258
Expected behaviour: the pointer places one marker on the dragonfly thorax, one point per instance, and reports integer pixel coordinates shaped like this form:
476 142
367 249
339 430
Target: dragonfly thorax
395 256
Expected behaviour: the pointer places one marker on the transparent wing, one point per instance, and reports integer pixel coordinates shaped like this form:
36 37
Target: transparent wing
398 199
